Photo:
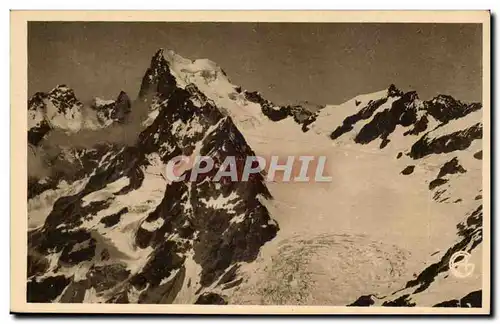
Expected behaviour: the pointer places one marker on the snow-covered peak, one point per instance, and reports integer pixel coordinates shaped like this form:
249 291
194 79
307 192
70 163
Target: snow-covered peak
196 71
172 57
381 117
333 116
388 116
177 62
169 70
59 108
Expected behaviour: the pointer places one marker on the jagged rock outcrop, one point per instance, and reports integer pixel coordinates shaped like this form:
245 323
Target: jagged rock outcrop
396 108
60 109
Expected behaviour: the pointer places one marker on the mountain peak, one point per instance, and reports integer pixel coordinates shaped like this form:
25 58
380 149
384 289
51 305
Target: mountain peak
166 56
445 108
180 63
169 70
444 100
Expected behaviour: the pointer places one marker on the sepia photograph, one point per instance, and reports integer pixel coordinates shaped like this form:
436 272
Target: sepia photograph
339 162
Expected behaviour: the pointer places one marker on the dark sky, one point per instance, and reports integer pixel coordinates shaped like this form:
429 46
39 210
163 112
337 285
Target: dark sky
321 63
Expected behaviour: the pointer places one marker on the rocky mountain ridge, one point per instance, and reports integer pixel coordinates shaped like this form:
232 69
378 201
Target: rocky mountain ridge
119 232
60 109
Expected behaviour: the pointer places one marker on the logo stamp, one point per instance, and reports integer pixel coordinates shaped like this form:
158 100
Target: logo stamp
460 266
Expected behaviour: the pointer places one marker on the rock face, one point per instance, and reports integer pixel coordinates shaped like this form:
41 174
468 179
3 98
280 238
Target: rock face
107 227
417 117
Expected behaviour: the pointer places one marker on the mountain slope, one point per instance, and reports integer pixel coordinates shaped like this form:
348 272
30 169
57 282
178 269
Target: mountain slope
60 109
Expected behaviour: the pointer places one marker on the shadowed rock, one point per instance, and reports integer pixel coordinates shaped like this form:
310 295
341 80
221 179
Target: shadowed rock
436 183
408 170
451 167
